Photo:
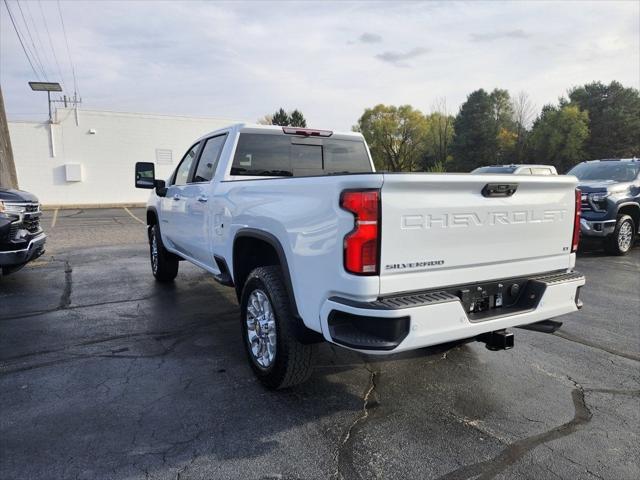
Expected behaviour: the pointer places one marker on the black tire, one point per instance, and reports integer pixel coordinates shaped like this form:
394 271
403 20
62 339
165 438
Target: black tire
165 268
293 361
621 240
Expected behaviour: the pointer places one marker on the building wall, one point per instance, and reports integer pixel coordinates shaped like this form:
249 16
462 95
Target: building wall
106 145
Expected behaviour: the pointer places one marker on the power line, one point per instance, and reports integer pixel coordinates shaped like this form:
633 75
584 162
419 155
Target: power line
66 39
35 50
20 39
37 34
53 51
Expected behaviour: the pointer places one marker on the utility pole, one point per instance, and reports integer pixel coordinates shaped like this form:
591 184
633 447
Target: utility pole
8 176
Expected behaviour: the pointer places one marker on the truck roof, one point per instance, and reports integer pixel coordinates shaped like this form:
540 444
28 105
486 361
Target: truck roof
276 129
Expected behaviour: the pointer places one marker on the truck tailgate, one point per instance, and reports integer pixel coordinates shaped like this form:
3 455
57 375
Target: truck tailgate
440 230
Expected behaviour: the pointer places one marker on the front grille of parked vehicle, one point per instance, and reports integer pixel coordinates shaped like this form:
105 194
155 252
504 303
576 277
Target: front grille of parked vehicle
30 221
31 224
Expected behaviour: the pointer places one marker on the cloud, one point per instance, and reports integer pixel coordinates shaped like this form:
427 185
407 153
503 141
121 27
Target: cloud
508 34
369 38
398 58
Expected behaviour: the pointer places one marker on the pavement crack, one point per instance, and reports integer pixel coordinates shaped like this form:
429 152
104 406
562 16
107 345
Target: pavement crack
487 469
65 298
344 454
604 348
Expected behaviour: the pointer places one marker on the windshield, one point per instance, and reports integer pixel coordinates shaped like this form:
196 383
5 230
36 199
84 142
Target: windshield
496 169
617 171
292 156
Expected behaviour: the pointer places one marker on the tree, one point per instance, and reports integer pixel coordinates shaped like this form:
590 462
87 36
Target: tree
439 136
475 142
266 120
523 115
281 118
396 136
504 126
614 119
558 136
297 119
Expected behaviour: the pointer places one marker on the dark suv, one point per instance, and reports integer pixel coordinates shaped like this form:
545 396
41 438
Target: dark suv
21 237
610 201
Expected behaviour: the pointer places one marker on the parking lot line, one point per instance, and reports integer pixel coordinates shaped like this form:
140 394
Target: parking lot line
133 216
55 218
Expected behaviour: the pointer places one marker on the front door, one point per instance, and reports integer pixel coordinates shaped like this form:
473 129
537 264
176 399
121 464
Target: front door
174 206
199 221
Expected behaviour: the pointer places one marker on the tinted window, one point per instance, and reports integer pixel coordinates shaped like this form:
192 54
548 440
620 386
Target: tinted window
182 172
497 169
286 156
618 171
209 159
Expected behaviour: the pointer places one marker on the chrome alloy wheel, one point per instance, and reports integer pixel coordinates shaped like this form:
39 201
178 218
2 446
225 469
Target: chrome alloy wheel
261 329
154 253
625 234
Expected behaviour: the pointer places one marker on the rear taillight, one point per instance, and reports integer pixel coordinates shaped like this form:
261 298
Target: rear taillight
576 223
361 245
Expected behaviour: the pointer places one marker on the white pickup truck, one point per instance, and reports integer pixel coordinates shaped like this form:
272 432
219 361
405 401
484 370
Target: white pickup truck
319 246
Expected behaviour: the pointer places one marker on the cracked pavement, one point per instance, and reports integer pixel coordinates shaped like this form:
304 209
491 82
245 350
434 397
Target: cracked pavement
105 374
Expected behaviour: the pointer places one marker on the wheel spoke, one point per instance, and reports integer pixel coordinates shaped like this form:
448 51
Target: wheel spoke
261 328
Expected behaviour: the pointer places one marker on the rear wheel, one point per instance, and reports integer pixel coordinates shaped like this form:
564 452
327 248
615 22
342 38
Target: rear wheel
623 236
276 356
164 264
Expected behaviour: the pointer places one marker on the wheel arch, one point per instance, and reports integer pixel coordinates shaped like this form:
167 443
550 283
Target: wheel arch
266 250
633 210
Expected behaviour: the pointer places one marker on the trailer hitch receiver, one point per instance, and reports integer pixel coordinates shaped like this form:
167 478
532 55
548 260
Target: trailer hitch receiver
498 340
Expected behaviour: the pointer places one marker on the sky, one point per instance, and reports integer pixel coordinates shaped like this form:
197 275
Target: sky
331 60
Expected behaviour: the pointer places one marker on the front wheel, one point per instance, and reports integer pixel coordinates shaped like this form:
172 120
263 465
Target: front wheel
276 356
623 236
164 264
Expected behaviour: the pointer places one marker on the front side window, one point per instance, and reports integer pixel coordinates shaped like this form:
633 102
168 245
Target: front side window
286 156
182 172
209 159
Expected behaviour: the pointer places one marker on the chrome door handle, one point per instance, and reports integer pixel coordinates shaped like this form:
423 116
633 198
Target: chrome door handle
203 199
176 197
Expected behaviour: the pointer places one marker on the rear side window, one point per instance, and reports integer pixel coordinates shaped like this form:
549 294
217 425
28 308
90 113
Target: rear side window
288 156
541 171
209 159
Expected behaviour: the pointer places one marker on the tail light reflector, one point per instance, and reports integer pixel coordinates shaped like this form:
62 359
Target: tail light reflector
576 223
362 244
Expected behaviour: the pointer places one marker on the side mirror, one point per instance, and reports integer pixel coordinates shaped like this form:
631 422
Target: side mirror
145 175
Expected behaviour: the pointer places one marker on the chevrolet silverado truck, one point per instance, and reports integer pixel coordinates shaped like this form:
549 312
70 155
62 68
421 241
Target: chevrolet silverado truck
21 237
318 246
610 202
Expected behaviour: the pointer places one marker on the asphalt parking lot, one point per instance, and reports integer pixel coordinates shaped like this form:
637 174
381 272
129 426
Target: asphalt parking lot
106 374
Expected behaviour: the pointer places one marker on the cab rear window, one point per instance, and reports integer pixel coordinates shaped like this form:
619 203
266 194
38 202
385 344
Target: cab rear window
286 156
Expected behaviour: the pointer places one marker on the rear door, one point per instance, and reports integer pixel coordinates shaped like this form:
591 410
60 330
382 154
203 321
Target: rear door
440 230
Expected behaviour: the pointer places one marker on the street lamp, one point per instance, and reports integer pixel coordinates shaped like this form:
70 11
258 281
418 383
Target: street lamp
46 87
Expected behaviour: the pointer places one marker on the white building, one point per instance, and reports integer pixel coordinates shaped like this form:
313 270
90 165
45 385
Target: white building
88 157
